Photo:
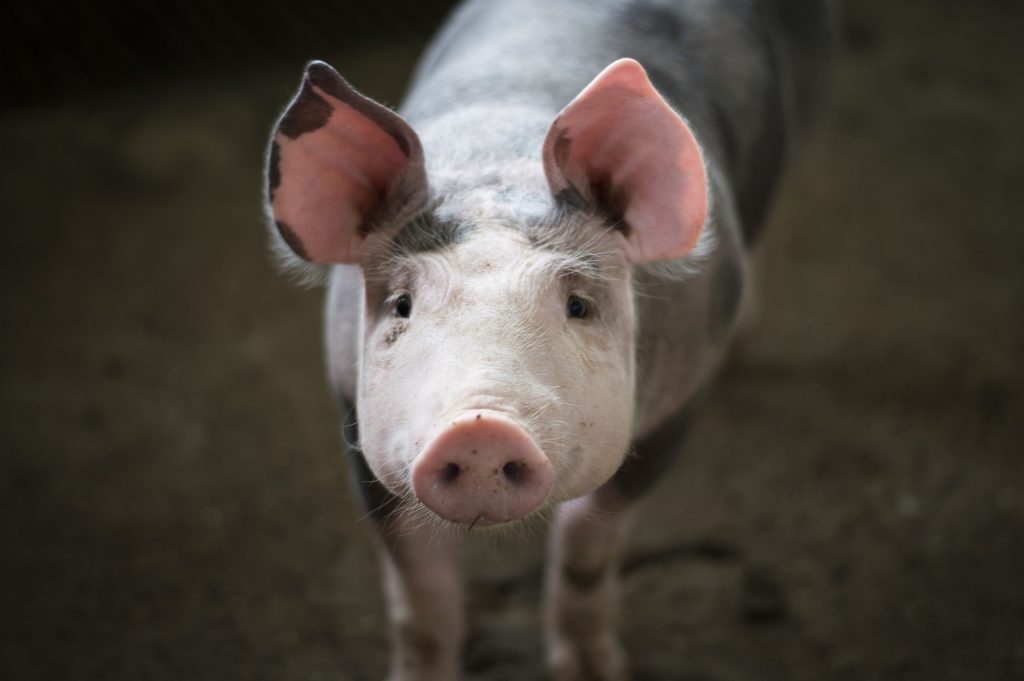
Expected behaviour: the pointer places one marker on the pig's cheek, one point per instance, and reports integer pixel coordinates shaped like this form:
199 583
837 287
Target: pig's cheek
383 437
385 450
608 449
610 419
599 385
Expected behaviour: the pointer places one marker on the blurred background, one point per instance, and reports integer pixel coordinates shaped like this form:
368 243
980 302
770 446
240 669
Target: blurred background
174 503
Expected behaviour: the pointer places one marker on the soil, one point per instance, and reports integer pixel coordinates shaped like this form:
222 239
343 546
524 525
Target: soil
850 504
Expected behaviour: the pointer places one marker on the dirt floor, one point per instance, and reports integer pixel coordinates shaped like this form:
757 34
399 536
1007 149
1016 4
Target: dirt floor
850 506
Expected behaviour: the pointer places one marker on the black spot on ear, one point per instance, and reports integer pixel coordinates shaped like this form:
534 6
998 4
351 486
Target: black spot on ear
391 128
571 198
602 193
292 239
330 82
307 113
273 169
373 216
611 200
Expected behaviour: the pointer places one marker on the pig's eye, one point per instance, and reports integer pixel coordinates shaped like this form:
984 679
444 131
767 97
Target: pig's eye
403 306
577 308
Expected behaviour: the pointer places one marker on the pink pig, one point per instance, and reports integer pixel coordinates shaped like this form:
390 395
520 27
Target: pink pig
528 290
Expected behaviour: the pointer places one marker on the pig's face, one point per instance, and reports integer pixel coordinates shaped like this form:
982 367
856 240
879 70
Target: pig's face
496 372
496 375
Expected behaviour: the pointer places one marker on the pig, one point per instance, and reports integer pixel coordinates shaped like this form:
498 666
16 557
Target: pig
533 270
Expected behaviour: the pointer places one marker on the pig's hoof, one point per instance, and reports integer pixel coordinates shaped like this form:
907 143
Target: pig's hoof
599 659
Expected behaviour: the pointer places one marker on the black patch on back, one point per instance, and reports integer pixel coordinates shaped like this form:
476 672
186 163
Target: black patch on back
652 455
804 22
653 22
783 21
291 238
756 193
307 113
727 136
377 502
273 169
726 290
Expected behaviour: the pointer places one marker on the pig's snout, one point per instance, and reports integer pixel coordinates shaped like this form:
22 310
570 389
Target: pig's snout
481 467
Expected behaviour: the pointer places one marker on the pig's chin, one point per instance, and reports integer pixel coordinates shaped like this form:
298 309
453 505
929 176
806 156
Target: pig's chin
495 527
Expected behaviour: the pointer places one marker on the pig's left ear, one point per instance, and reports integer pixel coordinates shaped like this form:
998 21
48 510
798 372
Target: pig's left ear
624 149
338 162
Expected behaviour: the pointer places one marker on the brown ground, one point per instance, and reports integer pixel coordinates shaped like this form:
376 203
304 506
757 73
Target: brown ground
851 505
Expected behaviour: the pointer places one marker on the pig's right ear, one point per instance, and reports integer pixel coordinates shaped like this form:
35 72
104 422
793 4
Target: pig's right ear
338 162
622 148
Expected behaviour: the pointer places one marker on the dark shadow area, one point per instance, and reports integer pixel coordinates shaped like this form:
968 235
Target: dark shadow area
55 48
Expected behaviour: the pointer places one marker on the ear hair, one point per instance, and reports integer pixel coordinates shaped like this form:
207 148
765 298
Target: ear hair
624 150
338 166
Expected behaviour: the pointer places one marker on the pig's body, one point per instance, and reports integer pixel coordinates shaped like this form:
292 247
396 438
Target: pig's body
498 173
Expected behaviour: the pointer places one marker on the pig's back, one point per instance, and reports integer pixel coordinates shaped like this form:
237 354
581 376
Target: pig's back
743 72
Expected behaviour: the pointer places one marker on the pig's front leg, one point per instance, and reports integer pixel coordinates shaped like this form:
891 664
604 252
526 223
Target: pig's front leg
425 603
587 539
582 600
422 580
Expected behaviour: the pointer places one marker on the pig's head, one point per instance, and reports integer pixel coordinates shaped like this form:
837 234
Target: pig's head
497 371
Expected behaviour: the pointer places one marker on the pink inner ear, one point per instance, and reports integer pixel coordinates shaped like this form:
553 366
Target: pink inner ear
332 166
623 147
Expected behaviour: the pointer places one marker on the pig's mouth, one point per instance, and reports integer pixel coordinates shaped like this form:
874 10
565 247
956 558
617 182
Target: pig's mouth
482 469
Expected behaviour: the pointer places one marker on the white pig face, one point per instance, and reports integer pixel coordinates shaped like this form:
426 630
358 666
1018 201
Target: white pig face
495 324
496 369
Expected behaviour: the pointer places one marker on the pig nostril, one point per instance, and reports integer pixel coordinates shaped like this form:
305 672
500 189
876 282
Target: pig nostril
514 471
488 470
450 472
